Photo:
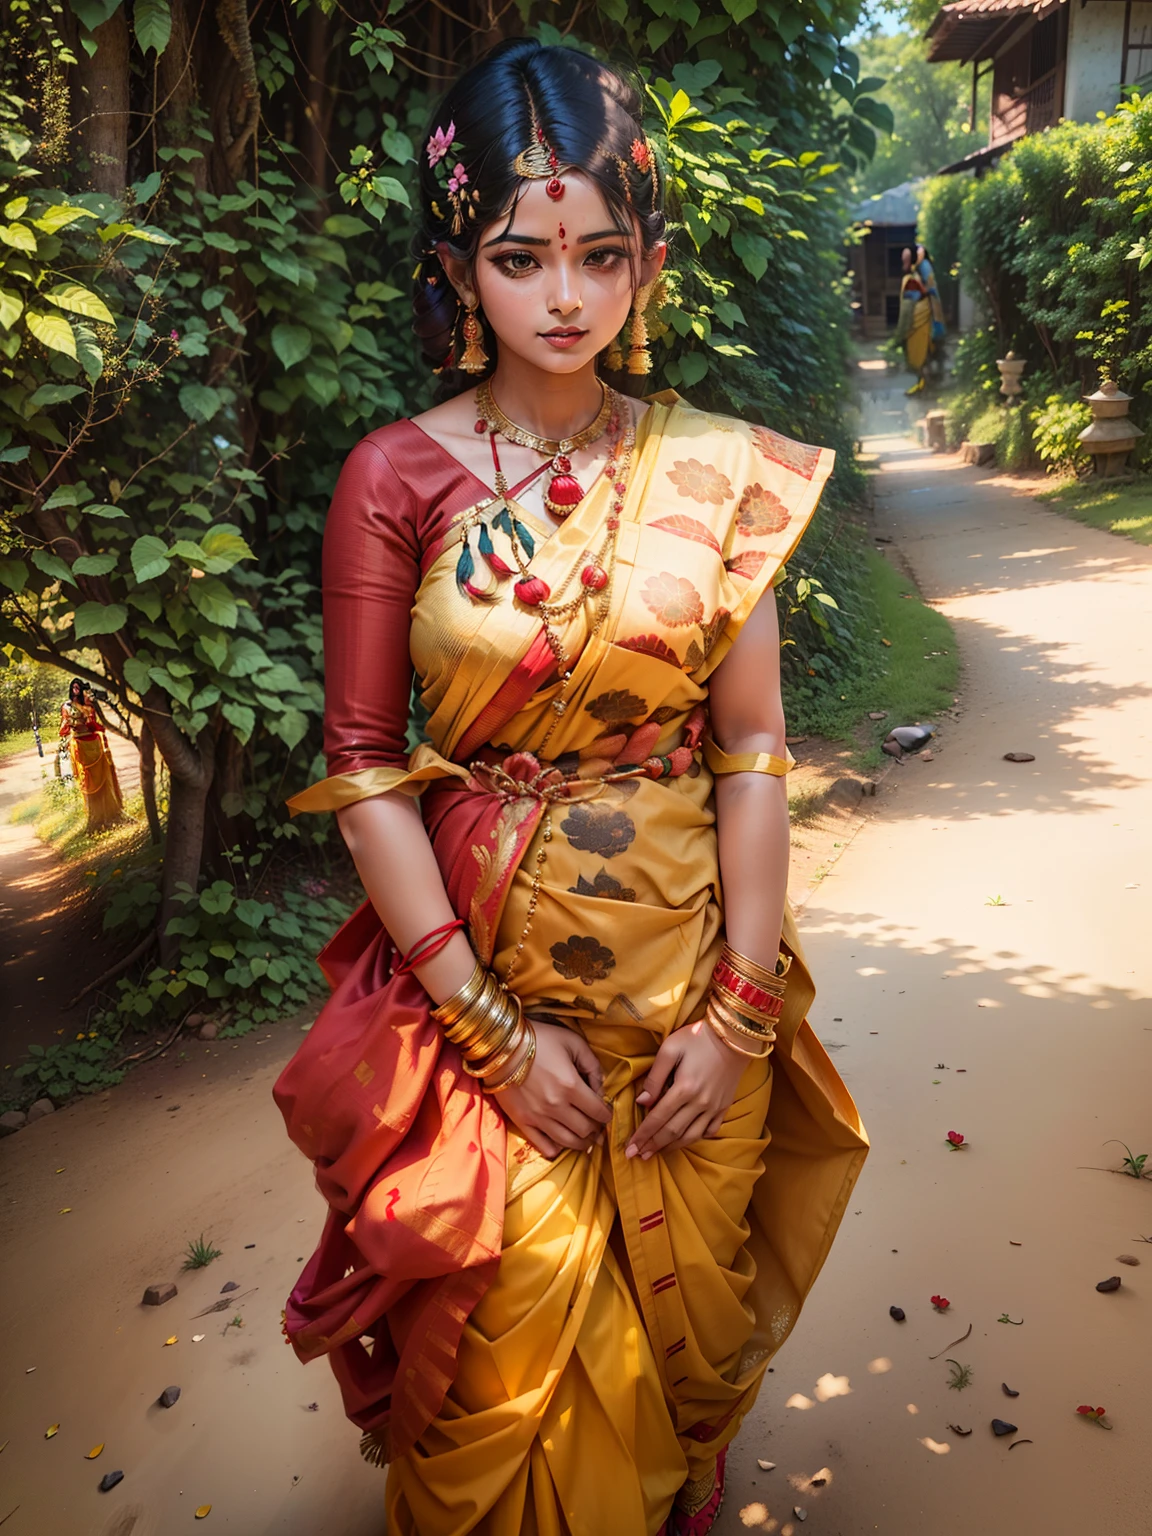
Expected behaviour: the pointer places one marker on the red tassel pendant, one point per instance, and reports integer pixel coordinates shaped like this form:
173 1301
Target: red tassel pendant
532 591
594 577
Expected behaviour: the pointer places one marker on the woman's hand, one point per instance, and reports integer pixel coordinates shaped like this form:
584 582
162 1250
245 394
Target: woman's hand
704 1077
558 1104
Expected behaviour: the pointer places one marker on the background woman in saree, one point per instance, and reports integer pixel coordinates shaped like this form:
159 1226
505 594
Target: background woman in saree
84 734
541 1302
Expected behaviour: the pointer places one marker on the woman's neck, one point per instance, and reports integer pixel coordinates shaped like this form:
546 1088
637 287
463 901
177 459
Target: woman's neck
549 404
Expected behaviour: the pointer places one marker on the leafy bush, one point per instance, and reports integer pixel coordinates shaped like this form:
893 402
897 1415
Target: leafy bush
1056 427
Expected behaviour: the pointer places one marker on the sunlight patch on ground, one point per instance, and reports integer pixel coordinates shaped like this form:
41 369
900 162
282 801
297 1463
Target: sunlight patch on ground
935 1446
798 1400
879 1366
830 1386
912 1408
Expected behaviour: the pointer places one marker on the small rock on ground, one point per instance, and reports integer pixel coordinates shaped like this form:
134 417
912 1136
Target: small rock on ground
157 1295
209 1031
168 1397
14 1120
41 1108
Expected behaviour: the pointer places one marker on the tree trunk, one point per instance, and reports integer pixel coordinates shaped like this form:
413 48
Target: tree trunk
100 106
182 849
148 780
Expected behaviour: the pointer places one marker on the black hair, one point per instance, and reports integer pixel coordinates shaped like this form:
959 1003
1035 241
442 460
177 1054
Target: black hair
590 117
77 682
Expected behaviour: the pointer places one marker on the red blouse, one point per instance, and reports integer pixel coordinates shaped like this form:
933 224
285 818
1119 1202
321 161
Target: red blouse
395 500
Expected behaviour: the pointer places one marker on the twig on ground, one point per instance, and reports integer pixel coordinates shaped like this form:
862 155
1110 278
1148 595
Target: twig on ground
116 970
953 1344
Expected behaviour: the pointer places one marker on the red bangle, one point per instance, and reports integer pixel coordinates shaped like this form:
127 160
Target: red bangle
428 947
758 997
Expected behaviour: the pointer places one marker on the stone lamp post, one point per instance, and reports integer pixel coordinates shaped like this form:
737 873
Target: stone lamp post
1011 367
1111 437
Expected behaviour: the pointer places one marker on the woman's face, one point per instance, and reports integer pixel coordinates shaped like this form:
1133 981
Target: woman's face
556 280
76 693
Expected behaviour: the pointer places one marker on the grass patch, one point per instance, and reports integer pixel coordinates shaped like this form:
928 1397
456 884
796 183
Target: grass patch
18 741
1123 509
912 677
806 805
57 814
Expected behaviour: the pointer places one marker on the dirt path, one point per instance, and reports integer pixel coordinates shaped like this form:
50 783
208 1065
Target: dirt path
48 938
1043 1002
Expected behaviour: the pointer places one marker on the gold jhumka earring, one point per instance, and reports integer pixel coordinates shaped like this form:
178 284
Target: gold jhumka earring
639 357
475 359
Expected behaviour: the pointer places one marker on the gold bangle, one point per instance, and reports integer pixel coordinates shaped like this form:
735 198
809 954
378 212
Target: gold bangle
770 980
507 1047
718 1030
452 1007
522 1070
738 1020
492 1031
480 1017
739 1005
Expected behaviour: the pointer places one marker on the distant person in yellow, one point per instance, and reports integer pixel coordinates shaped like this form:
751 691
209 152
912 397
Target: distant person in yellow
914 330
83 731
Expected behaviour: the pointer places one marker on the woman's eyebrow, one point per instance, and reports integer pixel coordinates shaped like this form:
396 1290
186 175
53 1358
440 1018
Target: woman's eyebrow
602 234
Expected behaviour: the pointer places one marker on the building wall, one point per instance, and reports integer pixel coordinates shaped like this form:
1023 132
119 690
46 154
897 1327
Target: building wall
1095 50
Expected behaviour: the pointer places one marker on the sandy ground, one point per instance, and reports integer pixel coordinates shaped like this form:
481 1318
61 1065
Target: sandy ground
1045 1010
1043 1002
47 938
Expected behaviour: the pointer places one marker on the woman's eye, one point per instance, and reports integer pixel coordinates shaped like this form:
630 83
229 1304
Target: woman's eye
515 261
604 257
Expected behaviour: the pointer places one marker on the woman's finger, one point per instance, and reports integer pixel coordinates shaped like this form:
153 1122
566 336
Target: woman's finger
587 1063
582 1126
716 1125
659 1073
694 1133
655 1120
559 1133
672 1129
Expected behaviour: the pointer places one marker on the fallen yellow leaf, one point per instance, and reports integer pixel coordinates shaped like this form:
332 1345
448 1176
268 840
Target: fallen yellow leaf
196 1338
884 642
173 1340
94 1452
59 1170
5 1446
205 1509
50 1431
65 1209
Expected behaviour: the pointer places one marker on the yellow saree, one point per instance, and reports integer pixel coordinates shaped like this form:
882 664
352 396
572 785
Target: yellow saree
636 1304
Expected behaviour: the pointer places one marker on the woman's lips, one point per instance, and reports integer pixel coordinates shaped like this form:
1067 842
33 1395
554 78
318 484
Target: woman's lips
563 339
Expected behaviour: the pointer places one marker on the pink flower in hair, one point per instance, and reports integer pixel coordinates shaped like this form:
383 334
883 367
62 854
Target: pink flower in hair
458 179
440 143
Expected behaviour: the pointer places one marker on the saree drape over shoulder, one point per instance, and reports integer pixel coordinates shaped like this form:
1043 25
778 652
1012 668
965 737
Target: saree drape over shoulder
553 1347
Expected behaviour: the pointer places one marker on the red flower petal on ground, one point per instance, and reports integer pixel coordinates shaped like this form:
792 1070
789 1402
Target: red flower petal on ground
941 1303
956 1138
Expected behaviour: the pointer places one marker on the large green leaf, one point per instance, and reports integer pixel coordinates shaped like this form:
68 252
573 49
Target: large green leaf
136 675
200 401
59 216
291 343
149 557
291 726
19 237
213 599
94 565
244 657
52 565
99 619
223 547
53 394
14 574
11 308
80 301
152 21
241 718
53 332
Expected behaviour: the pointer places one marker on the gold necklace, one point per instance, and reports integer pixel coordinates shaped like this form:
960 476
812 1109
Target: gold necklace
563 492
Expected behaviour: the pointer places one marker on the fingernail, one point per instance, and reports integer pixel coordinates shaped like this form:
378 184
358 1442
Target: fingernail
644 1156
630 1152
641 1098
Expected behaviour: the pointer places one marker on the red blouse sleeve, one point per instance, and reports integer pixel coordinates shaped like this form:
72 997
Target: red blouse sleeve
371 569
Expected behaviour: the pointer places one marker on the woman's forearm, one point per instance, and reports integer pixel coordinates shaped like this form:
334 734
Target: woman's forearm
402 880
752 833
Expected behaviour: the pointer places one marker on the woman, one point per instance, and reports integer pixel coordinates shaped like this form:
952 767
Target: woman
927 276
83 733
574 1204
914 328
